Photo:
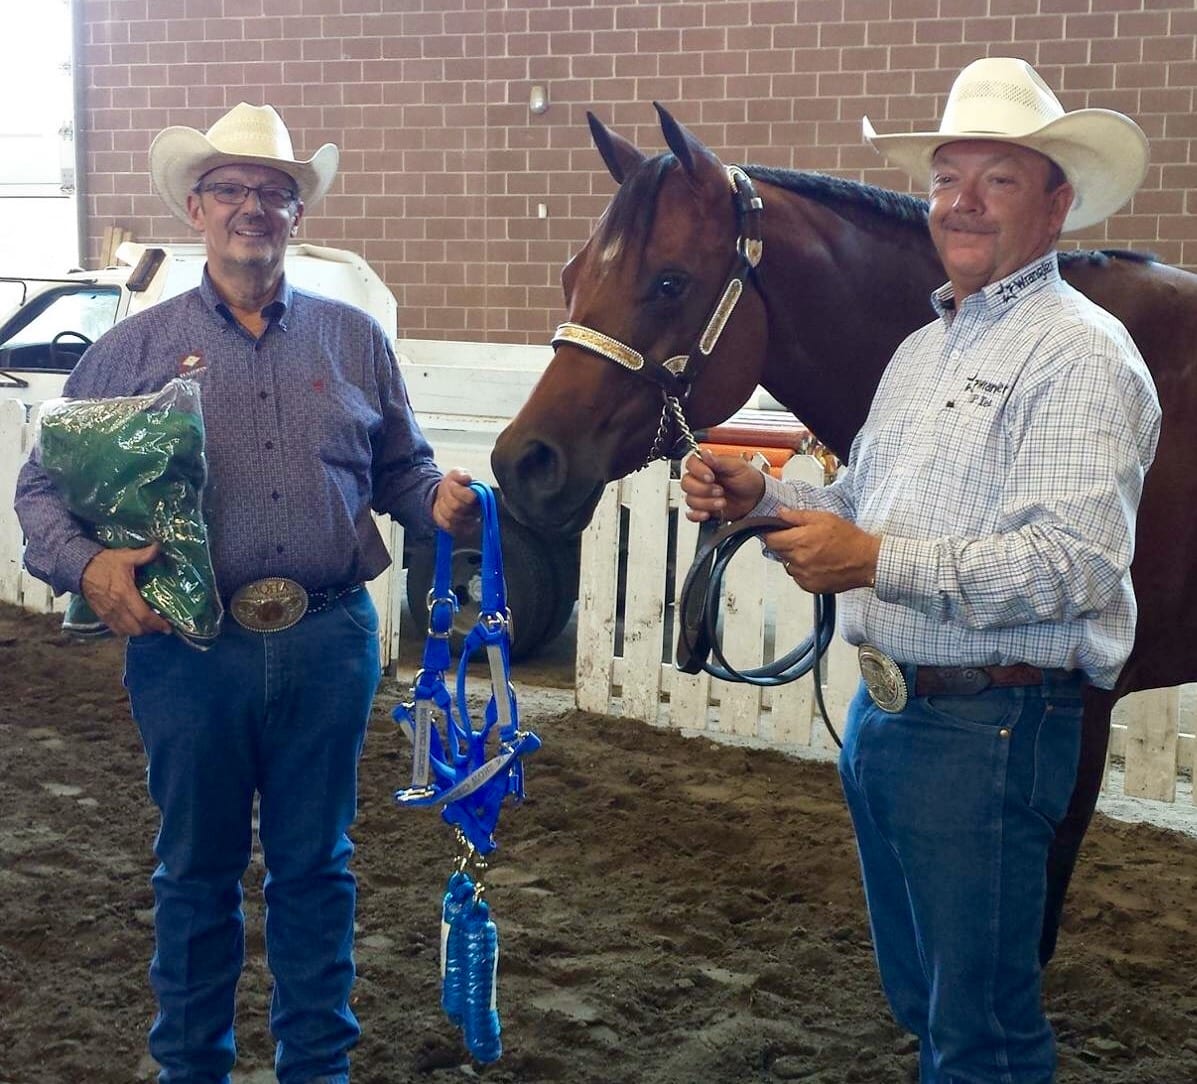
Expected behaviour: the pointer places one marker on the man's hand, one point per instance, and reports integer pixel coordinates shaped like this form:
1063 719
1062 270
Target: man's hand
823 553
720 486
455 505
111 591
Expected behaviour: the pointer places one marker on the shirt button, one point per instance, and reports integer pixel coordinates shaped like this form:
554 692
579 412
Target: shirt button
262 395
270 444
278 549
274 495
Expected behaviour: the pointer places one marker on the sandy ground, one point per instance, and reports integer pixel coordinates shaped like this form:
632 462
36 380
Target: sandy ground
671 911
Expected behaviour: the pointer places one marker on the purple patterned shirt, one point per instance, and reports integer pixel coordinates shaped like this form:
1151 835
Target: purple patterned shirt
307 429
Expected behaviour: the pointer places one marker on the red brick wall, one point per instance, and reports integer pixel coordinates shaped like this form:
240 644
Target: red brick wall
443 165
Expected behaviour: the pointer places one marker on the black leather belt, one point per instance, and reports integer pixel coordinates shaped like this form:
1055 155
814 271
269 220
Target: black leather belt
323 597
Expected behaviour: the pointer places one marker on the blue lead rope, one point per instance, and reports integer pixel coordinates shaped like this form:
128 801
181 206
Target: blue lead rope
456 771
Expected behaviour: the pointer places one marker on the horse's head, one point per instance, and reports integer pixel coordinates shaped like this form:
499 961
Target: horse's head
652 315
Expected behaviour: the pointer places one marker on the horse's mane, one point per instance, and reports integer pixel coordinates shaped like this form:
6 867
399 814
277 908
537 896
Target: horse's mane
635 201
1101 257
844 195
850 196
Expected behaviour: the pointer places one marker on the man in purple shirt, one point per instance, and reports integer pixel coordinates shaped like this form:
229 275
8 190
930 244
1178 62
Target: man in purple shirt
308 428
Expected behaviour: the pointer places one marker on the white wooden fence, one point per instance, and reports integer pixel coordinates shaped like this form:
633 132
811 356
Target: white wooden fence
626 644
20 588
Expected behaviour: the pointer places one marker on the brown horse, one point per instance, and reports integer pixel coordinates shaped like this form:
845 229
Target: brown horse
844 274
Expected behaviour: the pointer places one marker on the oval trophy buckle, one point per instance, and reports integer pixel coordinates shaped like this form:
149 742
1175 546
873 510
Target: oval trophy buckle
883 678
269 605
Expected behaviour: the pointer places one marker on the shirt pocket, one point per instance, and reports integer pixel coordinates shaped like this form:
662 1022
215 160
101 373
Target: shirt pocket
339 418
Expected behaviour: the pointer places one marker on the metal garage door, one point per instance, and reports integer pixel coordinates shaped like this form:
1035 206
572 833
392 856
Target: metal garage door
37 147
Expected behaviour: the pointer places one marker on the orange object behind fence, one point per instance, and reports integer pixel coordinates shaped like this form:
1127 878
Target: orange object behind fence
774 434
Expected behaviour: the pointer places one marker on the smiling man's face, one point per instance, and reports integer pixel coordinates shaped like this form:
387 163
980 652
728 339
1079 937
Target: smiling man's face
251 234
994 208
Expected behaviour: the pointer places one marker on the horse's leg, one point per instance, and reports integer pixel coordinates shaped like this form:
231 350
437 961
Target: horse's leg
1061 858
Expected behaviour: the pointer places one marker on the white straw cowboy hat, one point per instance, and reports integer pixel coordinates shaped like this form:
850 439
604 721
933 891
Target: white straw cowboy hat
1102 153
253 134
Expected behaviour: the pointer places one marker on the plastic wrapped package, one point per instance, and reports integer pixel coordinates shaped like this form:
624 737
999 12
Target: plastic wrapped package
133 470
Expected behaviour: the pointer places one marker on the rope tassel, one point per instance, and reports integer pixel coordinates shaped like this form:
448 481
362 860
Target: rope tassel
480 945
458 894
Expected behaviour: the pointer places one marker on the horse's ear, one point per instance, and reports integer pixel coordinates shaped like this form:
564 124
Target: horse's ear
620 156
690 152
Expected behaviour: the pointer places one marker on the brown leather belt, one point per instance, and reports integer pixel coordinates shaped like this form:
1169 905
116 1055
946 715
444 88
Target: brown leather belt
889 682
962 680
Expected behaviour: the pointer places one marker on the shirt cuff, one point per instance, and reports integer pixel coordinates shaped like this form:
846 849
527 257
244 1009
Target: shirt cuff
772 499
906 570
73 558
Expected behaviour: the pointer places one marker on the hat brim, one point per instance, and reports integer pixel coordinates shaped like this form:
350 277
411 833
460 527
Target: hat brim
1103 154
180 156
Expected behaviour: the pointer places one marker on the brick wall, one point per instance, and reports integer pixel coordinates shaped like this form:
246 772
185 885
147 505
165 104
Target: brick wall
444 168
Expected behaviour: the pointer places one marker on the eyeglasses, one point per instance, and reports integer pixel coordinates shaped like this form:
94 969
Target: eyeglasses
269 195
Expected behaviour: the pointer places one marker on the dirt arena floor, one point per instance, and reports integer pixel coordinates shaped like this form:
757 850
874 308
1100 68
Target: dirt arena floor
671 911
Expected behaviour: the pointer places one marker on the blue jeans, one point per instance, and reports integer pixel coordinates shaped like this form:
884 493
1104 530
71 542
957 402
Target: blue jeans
282 715
954 802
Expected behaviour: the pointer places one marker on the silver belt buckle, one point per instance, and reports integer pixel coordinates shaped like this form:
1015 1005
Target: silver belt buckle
269 605
883 678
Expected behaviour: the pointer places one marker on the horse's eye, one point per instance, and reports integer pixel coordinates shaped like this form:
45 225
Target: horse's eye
671 285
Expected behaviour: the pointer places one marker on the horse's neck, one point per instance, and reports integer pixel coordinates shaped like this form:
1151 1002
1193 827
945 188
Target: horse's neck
842 293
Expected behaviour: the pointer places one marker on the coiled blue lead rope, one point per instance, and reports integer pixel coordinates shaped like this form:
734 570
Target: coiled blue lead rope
457 772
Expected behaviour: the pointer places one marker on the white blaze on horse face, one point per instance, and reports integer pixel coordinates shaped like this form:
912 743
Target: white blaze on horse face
594 262
611 251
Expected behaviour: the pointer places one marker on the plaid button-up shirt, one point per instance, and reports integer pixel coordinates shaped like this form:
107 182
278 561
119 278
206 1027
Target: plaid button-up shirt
1002 463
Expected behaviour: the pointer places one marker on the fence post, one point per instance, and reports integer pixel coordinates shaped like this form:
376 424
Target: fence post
646 494
1152 726
599 575
689 694
12 455
793 704
743 608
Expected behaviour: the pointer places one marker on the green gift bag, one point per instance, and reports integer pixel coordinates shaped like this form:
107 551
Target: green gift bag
133 469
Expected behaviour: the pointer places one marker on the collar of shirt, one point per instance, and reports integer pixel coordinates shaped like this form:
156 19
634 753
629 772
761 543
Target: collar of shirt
274 312
1027 280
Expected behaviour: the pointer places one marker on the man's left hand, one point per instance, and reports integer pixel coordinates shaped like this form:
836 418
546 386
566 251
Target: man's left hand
823 553
455 505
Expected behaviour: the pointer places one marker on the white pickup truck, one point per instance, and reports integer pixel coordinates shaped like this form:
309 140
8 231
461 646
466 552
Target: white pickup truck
463 393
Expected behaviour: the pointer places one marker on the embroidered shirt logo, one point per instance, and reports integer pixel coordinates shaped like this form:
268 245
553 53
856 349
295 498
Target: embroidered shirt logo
191 362
1010 289
981 391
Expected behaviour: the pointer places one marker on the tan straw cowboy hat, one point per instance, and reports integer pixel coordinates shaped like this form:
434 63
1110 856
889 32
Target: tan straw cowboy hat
253 134
1102 153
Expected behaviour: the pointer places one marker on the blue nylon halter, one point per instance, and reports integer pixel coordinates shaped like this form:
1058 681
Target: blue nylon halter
455 771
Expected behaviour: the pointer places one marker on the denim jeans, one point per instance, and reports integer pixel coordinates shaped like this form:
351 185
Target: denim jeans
954 802
282 715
